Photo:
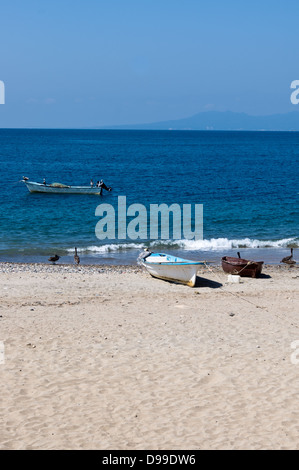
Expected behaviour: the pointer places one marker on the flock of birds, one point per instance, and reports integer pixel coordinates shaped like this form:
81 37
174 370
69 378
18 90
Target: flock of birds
55 258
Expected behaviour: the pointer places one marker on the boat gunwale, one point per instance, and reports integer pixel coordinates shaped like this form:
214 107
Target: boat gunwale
60 187
165 262
173 263
239 261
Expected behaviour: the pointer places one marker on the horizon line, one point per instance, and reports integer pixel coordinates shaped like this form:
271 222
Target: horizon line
168 121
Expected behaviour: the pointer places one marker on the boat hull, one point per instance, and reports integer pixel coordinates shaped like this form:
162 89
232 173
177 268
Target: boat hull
181 271
242 267
47 188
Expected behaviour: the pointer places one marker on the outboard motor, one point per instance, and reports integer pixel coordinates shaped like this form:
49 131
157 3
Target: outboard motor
102 185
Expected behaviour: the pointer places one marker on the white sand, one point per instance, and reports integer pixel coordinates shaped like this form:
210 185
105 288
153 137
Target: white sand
104 360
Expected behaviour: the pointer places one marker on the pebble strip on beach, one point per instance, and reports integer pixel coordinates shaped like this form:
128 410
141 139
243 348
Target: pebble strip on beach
6 267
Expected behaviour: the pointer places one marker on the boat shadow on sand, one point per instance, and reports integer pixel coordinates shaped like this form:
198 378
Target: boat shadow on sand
200 282
264 276
204 282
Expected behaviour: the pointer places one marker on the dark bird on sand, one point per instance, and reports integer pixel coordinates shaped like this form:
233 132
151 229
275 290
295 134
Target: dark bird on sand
289 259
54 258
76 257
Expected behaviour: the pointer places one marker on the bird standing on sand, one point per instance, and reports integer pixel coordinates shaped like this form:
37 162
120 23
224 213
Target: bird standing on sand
53 259
289 259
76 257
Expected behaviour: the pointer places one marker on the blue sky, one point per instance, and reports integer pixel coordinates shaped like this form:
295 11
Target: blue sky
98 62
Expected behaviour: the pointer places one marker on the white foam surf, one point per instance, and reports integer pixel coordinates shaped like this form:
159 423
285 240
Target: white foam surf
213 244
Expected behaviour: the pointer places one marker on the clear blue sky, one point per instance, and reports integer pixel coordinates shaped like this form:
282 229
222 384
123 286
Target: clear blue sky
71 63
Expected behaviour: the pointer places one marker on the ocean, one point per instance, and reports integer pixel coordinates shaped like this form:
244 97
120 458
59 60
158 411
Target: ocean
247 183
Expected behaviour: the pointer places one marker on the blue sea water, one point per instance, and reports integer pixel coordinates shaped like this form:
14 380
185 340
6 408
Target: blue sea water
246 181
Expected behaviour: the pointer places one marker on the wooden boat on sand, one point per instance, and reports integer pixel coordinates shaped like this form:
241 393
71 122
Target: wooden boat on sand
242 267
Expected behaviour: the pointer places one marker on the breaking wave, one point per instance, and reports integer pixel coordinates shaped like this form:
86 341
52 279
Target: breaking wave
225 243
212 244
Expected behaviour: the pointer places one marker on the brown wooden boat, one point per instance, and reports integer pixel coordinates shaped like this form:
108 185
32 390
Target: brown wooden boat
242 267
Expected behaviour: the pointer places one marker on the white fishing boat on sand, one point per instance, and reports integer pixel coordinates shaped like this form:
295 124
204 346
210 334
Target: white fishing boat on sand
171 268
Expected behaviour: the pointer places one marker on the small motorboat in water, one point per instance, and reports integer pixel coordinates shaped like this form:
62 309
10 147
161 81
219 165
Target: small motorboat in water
242 267
170 268
59 188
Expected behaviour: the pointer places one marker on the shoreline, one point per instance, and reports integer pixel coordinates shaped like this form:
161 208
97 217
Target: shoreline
270 255
7 266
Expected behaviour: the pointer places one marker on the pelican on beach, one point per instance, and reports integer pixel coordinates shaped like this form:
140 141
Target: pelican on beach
54 258
76 257
289 259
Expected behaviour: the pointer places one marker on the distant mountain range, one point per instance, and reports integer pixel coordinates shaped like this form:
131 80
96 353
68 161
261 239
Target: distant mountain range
223 121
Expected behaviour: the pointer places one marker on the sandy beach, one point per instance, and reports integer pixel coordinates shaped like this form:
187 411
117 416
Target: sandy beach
109 358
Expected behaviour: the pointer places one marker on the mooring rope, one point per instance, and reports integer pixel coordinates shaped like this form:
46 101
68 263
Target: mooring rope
248 263
245 300
233 293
